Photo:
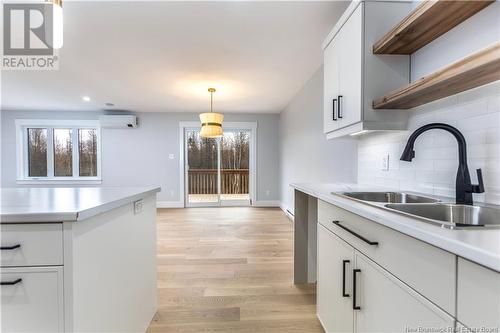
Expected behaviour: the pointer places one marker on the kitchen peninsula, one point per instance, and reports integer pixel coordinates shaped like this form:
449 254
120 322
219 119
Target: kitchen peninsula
78 259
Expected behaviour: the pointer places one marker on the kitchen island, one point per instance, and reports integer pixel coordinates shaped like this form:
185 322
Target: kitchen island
78 259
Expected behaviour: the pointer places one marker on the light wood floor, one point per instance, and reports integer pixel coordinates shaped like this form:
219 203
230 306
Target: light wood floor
229 270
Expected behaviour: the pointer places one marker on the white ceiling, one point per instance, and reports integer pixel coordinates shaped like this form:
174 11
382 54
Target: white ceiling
162 56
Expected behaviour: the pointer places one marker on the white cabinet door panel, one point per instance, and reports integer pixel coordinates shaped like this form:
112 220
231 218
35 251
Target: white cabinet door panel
334 291
34 304
478 295
331 87
388 305
350 69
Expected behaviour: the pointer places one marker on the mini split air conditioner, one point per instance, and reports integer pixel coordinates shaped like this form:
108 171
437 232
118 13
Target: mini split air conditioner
118 121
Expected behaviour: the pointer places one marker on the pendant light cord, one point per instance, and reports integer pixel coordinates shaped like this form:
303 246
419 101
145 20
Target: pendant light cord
211 91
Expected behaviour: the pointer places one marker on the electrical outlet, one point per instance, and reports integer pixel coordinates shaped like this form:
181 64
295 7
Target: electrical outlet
171 193
137 206
385 162
268 192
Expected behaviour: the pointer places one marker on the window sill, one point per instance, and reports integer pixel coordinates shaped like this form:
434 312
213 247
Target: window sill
59 181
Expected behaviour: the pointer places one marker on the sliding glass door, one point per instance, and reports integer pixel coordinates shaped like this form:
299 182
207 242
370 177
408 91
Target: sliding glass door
217 171
234 166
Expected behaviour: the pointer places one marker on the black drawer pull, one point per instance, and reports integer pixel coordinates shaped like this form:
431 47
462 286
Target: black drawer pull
13 247
10 283
344 262
355 234
354 306
339 107
334 101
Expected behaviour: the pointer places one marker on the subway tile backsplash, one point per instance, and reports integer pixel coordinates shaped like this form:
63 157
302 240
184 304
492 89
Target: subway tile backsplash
476 113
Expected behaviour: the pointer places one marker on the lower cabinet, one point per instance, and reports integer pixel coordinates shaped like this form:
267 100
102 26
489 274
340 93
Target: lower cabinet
355 294
386 304
478 296
32 299
334 288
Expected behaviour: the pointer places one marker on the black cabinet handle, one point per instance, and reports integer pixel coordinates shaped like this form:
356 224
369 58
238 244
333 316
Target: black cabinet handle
355 234
354 306
340 106
344 262
13 247
10 283
334 101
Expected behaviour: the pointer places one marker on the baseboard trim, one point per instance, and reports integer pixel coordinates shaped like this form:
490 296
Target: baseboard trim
267 203
287 212
170 204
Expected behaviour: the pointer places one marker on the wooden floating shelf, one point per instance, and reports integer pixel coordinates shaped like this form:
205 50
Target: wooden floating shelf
473 71
427 22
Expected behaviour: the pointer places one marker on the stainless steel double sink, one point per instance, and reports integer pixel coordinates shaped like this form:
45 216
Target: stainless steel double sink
431 210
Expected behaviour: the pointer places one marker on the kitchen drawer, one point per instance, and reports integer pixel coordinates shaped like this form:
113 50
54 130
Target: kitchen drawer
39 244
35 304
425 268
478 295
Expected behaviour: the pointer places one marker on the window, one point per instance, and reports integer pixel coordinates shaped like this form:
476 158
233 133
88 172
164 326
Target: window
58 151
37 152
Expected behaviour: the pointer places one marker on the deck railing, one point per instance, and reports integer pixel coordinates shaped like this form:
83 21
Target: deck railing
204 181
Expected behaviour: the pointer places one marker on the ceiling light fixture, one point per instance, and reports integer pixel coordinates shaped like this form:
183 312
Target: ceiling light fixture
211 122
86 98
57 23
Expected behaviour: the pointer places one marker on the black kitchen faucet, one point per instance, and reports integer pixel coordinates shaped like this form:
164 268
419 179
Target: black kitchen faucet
464 188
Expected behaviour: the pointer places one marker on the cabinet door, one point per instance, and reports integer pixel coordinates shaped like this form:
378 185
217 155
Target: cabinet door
350 69
331 87
477 285
33 301
388 305
334 291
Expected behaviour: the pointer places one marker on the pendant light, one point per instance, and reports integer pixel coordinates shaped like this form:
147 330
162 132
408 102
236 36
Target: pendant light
211 122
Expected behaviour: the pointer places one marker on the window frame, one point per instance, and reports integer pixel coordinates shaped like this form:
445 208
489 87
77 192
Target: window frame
22 126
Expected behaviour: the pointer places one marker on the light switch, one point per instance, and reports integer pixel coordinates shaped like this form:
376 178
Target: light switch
171 156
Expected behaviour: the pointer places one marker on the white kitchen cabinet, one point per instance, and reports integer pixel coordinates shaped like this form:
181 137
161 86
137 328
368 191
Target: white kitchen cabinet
334 289
354 76
350 64
95 272
31 244
331 87
478 295
392 282
355 294
33 299
425 268
386 304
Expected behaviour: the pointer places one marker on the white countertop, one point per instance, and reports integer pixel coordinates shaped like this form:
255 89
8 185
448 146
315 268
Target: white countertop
479 245
20 205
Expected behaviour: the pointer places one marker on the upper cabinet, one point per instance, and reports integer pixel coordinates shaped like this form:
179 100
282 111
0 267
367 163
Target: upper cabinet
354 76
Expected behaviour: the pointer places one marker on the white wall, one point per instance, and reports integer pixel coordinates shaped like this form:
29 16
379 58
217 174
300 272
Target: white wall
139 157
305 154
476 113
